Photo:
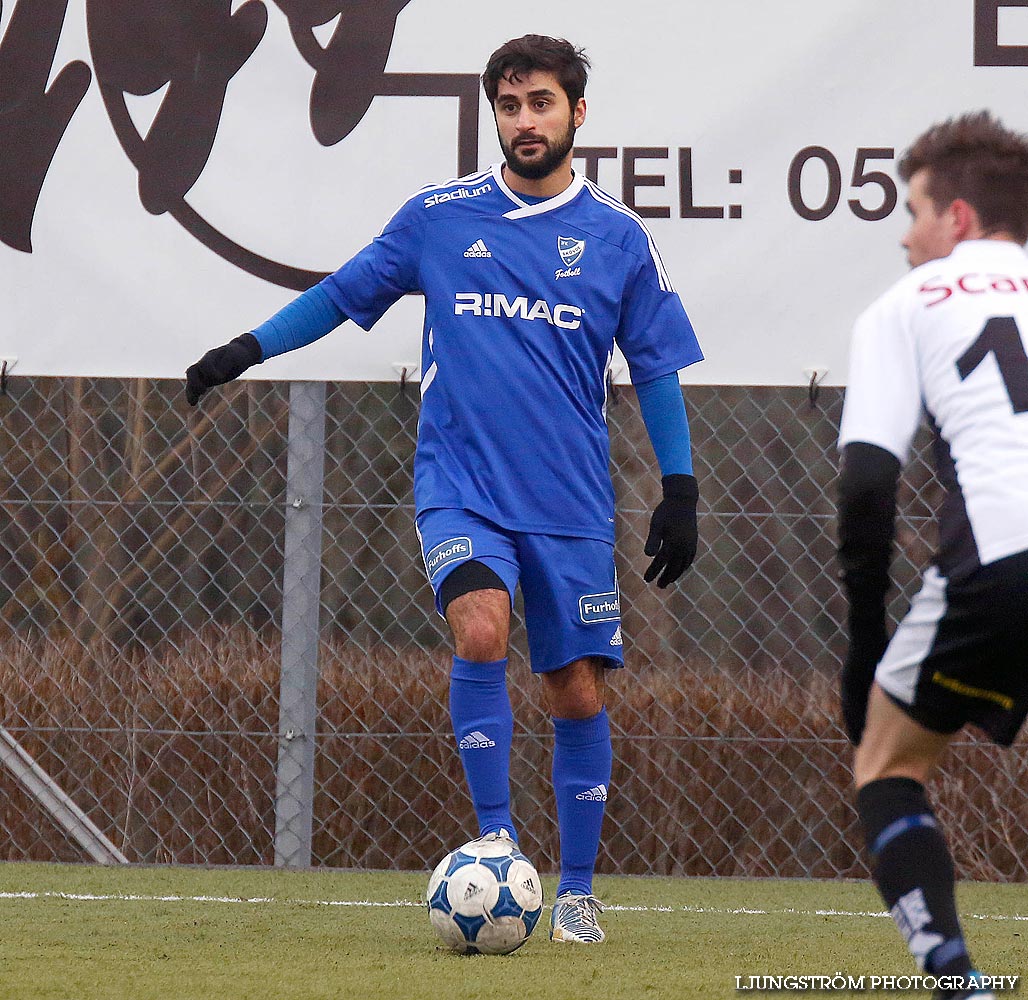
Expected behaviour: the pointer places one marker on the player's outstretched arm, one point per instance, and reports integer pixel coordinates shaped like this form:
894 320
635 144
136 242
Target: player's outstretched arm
673 537
867 514
307 318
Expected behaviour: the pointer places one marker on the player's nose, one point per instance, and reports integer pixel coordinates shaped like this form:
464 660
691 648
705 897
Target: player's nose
525 120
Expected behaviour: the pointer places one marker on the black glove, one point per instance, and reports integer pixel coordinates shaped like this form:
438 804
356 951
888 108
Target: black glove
858 673
222 364
673 536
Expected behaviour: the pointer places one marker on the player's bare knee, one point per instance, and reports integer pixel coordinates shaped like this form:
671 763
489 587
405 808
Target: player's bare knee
480 638
481 642
480 622
874 761
894 745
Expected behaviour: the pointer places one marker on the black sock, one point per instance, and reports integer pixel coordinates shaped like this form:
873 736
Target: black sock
913 870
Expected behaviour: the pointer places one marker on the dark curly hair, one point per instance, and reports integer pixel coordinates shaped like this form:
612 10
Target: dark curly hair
975 158
521 56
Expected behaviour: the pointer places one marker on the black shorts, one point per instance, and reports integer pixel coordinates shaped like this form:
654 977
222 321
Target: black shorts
961 653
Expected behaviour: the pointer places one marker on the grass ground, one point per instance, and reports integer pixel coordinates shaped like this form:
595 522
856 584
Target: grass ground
172 933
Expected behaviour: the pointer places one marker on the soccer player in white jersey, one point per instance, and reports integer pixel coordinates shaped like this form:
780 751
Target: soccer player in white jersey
948 339
530 274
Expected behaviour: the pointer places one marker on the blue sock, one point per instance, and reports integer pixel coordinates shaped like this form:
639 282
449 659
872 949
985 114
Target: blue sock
483 725
582 759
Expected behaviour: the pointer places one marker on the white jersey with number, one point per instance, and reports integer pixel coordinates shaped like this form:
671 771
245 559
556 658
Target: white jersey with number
950 338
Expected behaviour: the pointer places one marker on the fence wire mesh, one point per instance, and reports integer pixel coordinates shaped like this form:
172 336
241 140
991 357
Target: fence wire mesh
141 598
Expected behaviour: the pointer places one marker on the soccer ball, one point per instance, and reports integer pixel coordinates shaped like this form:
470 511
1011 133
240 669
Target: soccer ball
484 898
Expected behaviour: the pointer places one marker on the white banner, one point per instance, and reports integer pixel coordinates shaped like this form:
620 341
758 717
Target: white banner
172 172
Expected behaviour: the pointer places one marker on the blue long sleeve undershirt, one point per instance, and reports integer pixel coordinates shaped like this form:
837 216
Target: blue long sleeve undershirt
307 318
663 412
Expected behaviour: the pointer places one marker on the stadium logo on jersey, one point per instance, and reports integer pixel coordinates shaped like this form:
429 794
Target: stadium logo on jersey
477 249
441 197
452 550
497 305
570 250
599 607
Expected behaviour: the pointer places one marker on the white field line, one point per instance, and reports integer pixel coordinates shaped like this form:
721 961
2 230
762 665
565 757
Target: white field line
82 897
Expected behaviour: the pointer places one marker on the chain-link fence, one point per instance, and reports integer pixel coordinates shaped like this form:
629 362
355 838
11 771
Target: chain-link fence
154 706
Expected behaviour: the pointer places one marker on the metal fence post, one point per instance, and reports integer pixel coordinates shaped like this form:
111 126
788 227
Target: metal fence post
301 602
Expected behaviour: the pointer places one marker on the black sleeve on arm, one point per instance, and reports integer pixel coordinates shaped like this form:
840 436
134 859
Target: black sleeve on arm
867 519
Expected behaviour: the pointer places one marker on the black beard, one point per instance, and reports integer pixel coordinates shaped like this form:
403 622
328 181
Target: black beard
551 158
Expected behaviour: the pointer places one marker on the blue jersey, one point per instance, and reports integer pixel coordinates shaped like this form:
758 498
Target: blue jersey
523 304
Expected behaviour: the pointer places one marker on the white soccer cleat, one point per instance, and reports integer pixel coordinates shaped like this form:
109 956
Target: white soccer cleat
574 919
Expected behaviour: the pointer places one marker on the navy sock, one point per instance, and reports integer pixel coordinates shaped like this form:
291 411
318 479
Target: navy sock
582 758
913 870
483 725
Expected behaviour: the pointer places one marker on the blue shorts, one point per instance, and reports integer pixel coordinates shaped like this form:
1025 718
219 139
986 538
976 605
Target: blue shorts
569 585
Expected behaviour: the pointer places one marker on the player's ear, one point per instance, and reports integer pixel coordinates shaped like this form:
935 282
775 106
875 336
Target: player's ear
964 220
580 112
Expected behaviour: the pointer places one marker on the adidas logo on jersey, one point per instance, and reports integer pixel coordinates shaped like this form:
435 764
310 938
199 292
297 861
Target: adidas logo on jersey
615 639
476 741
477 249
598 793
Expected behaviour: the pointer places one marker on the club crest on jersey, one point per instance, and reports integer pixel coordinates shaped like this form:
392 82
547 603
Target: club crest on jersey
570 250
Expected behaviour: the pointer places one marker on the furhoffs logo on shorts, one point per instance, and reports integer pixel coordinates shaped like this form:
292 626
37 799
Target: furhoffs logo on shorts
600 607
451 551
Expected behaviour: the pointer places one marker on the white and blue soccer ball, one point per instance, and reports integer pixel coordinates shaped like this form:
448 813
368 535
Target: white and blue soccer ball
485 898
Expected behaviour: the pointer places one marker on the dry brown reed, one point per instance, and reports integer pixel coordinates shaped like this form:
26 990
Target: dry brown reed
717 771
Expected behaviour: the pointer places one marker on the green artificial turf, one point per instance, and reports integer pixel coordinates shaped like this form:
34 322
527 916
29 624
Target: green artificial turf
256 934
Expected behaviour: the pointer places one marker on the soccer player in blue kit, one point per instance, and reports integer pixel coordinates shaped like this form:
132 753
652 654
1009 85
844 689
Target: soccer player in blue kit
530 274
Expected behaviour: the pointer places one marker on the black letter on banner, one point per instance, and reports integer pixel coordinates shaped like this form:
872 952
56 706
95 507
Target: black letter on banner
592 156
33 120
688 208
630 180
987 50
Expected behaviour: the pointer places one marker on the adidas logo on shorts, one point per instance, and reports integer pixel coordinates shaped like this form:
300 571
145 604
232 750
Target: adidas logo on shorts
615 639
598 793
476 741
